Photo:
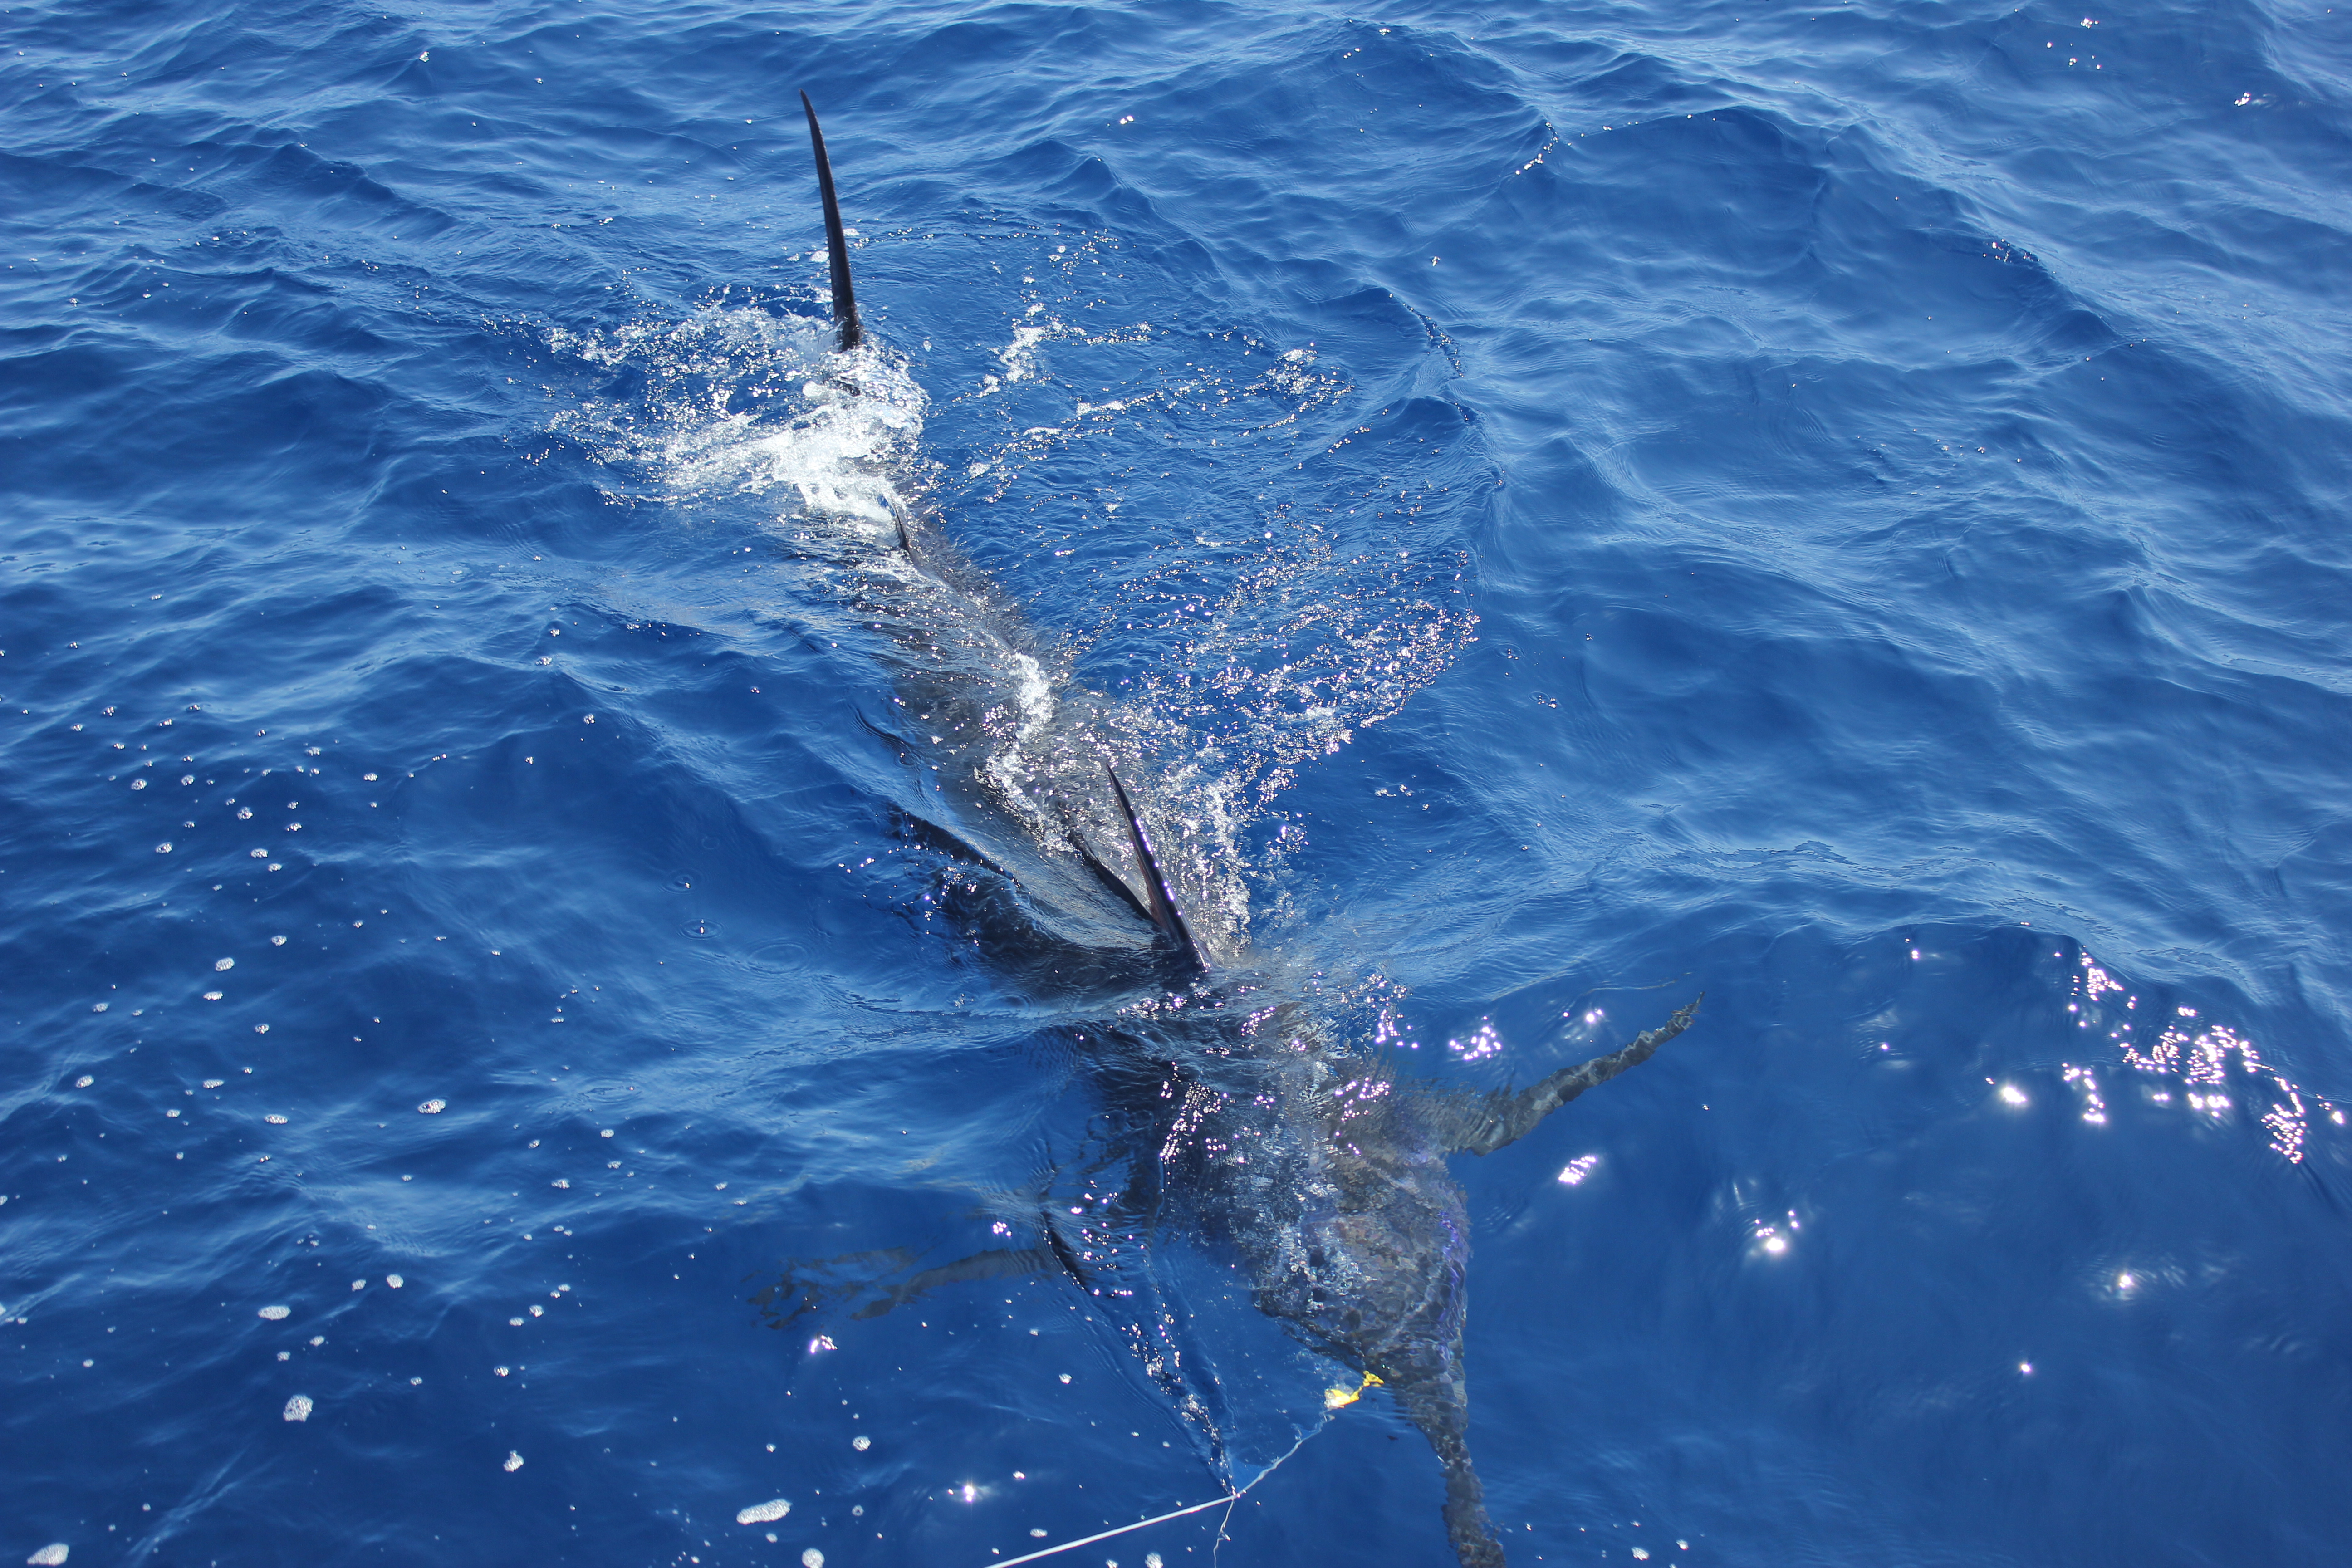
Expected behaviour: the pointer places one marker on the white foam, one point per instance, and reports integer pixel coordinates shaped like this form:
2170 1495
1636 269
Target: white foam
763 1512
432 1107
298 1408
277 1314
513 1462
51 1555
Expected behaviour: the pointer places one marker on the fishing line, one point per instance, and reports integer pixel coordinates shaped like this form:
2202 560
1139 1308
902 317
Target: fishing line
1334 1400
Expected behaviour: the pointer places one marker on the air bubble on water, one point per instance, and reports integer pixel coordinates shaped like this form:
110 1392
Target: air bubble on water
811 1558
861 1441
395 1280
298 1408
275 1120
432 1107
214 1082
763 1512
84 1081
513 1462
277 1314
224 963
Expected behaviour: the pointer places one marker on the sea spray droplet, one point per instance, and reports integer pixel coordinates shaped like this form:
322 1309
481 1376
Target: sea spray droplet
764 1512
298 1408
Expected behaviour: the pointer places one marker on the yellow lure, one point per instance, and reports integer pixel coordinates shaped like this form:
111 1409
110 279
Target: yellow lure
1339 1398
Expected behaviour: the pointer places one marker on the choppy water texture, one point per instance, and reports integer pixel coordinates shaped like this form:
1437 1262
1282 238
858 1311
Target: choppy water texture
1838 507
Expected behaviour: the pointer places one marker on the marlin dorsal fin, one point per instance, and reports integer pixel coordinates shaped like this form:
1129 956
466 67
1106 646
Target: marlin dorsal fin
844 299
1162 905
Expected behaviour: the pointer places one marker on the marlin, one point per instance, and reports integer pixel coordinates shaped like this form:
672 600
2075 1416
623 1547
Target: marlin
1232 1118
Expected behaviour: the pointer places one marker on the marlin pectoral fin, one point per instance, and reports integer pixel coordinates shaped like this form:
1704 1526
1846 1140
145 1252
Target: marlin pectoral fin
1001 1263
844 299
1162 907
1503 1118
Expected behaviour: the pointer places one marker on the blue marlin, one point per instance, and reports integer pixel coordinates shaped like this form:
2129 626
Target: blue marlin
1234 1119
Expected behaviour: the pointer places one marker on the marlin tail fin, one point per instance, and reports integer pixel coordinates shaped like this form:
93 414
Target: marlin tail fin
1161 906
845 297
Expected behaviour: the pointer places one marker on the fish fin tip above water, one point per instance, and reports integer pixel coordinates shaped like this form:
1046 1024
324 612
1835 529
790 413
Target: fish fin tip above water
836 242
1161 903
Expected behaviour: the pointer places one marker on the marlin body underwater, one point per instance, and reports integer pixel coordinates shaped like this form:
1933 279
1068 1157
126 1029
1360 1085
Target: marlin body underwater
1233 1117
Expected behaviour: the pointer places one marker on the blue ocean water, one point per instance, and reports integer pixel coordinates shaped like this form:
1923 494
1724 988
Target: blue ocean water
1840 508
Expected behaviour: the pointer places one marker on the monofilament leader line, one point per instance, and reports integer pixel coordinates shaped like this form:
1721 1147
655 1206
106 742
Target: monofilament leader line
1334 1399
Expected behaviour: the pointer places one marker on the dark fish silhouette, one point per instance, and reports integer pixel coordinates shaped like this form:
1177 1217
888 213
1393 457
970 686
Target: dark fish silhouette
1229 1116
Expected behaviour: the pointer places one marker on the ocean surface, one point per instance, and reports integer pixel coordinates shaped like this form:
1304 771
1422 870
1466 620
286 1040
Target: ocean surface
1561 507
